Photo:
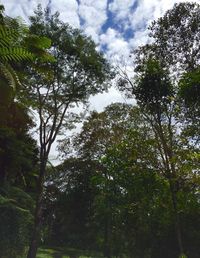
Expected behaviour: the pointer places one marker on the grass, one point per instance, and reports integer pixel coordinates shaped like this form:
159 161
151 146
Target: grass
65 253
45 253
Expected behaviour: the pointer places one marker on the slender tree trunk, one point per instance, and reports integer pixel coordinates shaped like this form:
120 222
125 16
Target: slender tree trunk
2 176
107 238
38 214
35 236
176 218
171 171
2 172
107 225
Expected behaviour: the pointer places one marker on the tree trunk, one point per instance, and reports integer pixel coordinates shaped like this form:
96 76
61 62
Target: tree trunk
171 171
2 172
107 235
36 231
177 219
38 214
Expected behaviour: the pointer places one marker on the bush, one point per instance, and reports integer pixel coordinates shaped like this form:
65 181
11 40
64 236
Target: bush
15 226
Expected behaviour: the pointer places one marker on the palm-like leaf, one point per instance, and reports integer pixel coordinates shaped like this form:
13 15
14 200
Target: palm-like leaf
10 53
16 46
9 74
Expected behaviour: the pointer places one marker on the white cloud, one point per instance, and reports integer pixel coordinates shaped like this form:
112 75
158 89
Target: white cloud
121 8
91 31
68 11
94 15
21 8
140 38
144 14
116 46
147 11
100 101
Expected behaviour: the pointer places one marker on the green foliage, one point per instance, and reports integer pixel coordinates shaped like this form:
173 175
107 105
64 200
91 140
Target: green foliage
18 151
69 195
176 36
130 184
79 70
132 209
173 54
127 189
11 53
17 46
15 221
18 157
101 130
190 89
153 87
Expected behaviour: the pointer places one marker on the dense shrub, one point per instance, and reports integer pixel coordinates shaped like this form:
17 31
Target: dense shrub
15 223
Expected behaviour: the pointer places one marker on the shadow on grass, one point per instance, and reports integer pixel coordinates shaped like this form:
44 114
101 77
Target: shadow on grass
66 253
57 255
60 254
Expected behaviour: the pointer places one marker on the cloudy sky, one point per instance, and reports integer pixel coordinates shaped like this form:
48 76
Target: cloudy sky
117 26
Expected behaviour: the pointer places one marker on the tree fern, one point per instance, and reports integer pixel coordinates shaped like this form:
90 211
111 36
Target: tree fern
8 73
10 53
17 46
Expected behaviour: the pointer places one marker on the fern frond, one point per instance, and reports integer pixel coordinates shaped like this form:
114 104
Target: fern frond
14 54
8 73
8 50
6 32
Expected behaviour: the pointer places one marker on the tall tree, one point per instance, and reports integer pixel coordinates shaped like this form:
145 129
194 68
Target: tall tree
18 151
133 209
101 140
158 67
78 72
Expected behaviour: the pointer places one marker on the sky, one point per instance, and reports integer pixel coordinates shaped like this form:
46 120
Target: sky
116 26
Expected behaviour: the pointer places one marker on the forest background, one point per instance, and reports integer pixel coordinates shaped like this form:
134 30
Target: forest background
128 185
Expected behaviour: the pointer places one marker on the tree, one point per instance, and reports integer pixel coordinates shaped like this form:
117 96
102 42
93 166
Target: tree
16 220
99 131
153 91
18 151
175 39
78 72
174 44
189 91
133 213
10 52
159 67
69 194
101 140
17 46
